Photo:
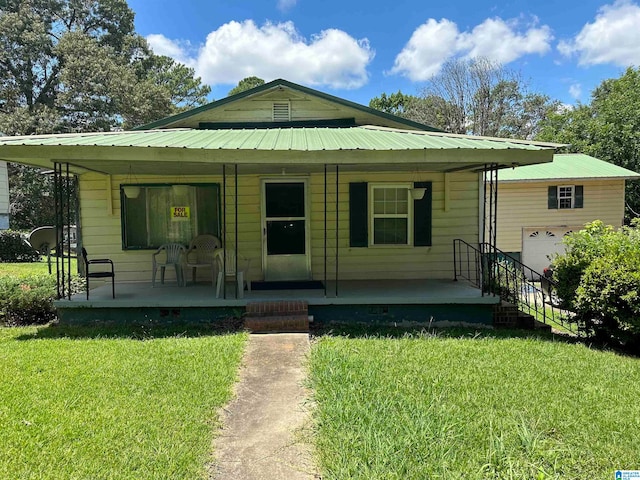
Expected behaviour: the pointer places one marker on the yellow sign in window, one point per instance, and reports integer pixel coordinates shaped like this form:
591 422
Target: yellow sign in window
180 214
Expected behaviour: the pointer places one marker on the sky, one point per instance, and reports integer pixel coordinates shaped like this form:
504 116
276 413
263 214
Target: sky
358 49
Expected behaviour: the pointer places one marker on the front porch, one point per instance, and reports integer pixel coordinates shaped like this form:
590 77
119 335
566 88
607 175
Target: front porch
441 302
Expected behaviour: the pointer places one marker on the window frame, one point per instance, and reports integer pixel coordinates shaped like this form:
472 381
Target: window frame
123 212
372 215
571 197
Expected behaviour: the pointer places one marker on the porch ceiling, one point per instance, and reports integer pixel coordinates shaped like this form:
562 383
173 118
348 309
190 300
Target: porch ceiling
298 150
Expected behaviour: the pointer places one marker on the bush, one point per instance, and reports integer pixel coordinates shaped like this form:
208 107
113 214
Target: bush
599 279
28 300
13 248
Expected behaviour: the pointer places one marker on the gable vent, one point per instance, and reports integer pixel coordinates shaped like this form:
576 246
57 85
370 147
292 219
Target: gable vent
281 112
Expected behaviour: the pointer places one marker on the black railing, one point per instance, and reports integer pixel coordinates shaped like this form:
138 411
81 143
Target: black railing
497 273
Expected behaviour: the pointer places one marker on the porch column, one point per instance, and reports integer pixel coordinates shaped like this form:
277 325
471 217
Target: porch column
235 211
337 218
325 230
62 215
224 231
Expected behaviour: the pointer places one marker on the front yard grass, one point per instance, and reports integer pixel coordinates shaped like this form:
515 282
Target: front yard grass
35 268
88 404
474 407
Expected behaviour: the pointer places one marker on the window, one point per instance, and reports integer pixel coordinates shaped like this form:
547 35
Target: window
390 214
169 213
565 196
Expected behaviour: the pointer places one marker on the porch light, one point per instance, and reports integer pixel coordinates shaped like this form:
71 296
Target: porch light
131 191
417 193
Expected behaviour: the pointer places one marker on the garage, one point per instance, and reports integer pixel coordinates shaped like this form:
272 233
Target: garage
538 244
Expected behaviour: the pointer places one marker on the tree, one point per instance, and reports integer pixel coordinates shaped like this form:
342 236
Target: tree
31 202
599 280
78 65
608 128
185 89
75 66
475 97
246 84
396 104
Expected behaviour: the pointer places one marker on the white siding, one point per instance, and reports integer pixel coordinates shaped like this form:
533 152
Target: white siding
524 204
101 230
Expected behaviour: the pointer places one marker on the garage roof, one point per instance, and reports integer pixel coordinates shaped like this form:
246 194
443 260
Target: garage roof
567 166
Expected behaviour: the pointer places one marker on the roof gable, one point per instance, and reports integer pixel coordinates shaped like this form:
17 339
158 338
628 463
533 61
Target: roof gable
254 109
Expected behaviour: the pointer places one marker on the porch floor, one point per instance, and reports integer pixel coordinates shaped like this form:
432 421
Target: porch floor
350 292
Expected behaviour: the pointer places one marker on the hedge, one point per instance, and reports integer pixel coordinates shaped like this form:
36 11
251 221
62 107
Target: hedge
13 248
28 300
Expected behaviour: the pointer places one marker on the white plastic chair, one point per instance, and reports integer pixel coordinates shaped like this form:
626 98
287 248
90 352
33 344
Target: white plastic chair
227 264
174 253
201 255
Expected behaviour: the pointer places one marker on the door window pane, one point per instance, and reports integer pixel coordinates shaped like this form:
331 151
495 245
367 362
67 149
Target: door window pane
284 200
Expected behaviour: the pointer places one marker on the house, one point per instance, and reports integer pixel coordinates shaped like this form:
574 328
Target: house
539 204
4 197
304 186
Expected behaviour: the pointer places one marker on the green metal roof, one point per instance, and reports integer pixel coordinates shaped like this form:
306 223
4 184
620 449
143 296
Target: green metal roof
567 166
299 139
194 151
167 121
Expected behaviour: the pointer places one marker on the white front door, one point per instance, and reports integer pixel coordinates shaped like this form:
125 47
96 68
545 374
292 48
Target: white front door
285 229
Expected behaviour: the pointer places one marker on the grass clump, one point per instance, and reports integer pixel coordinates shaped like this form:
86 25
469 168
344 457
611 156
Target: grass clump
431 406
93 406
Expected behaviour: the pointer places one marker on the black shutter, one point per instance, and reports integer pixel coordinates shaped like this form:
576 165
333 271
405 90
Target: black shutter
552 201
358 215
579 196
422 216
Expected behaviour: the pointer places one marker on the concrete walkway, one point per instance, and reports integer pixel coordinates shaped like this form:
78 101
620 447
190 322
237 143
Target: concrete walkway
266 426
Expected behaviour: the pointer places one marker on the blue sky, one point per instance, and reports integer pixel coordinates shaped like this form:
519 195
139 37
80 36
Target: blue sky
357 49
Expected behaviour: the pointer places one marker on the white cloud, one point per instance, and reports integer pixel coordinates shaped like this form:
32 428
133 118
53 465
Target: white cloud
435 42
284 5
430 45
241 49
575 90
177 50
613 37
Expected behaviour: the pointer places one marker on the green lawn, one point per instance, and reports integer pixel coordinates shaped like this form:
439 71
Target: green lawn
473 408
34 268
90 404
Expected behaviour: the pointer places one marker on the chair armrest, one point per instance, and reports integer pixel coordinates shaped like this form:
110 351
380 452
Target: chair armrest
187 253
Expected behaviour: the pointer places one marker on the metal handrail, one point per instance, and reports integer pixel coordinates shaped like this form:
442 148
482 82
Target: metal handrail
497 273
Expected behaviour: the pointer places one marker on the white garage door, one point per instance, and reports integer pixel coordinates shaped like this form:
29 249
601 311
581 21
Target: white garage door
540 243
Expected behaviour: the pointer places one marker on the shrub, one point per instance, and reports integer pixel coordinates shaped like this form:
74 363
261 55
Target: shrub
27 300
599 279
13 248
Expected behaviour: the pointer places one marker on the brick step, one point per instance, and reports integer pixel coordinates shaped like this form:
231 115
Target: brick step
277 323
525 321
277 308
542 326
